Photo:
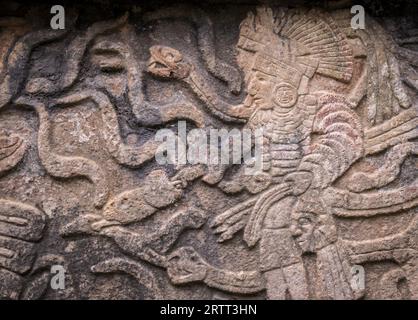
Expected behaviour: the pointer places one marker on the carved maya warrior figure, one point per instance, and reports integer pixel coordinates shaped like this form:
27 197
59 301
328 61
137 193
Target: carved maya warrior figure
279 56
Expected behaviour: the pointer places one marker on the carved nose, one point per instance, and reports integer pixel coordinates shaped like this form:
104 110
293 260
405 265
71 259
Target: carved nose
252 89
295 231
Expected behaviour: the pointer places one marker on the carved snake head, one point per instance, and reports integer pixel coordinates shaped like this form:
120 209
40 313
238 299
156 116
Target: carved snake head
186 265
166 62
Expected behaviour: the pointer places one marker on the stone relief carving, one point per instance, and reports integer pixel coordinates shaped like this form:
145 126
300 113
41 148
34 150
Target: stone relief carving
338 187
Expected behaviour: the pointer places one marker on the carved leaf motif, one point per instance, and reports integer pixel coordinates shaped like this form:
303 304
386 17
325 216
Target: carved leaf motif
12 150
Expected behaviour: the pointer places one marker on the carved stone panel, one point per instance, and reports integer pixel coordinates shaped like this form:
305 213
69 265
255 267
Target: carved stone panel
320 203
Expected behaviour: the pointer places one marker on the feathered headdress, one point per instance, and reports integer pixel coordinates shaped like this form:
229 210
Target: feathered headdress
307 40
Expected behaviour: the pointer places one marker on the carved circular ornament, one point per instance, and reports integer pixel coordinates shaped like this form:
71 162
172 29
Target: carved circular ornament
285 95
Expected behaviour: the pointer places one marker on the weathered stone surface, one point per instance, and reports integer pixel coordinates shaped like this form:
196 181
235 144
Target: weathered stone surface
332 214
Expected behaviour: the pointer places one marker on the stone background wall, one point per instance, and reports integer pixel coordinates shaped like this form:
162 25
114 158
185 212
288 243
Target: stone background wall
331 216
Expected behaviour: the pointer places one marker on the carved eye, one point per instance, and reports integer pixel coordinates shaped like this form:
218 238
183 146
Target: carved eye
170 54
245 29
304 221
261 79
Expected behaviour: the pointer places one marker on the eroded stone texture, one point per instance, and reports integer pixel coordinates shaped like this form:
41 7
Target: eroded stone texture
334 204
